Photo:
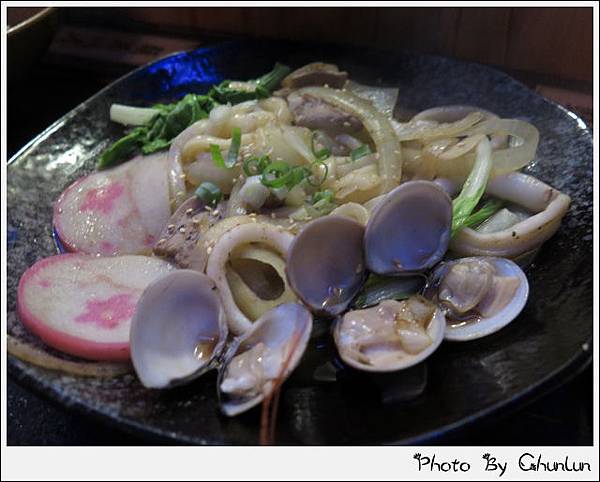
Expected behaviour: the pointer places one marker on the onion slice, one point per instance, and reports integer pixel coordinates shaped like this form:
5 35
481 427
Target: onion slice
377 124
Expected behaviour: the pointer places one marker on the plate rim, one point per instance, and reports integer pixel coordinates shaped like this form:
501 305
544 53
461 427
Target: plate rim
551 382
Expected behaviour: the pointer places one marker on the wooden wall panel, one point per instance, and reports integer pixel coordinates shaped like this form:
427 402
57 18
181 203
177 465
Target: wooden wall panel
425 30
552 40
482 34
548 41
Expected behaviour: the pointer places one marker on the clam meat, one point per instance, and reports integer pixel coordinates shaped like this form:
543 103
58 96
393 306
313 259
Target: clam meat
479 295
390 336
260 360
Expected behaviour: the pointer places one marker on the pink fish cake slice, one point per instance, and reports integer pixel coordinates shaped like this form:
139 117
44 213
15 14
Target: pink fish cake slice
82 305
118 211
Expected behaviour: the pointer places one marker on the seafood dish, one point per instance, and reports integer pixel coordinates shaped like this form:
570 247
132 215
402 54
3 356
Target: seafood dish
223 227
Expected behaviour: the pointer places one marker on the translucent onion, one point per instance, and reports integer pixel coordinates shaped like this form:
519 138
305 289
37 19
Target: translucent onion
348 167
383 98
511 158
421 129
456 161
353 211
451 113
358 186
379 128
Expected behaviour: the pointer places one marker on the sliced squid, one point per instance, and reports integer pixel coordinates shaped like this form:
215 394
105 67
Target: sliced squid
272 236
548 204
256 276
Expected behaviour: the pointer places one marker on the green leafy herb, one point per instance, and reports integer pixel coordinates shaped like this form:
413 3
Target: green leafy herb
123 148
474 187
155 146
266 84
490 208
361 151
172 119
209 193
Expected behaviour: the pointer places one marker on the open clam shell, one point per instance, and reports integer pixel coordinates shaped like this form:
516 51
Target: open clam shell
372 341
178 329
495 308
325 264
262 357
409 230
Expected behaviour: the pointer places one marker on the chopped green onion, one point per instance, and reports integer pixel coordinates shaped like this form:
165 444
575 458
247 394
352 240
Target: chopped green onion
209 193
276 175
320 155
490 208
217 157
323 178
361 151
234 148
255 165
232 155
327 194
298 174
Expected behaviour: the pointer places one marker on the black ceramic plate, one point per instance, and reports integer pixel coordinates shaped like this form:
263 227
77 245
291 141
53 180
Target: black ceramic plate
459 385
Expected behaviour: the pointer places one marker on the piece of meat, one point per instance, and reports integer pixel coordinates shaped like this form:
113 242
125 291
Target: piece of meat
315 113
179 239
316 73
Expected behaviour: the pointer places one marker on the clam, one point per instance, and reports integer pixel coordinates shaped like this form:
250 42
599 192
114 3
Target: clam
479 295
391 336
409 230
260 360
325 265
178 329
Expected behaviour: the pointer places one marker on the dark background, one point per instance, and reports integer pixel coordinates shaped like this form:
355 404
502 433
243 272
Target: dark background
85 49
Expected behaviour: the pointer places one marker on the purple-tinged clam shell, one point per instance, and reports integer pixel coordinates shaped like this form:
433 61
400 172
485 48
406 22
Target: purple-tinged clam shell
409 230
178 329
325 264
